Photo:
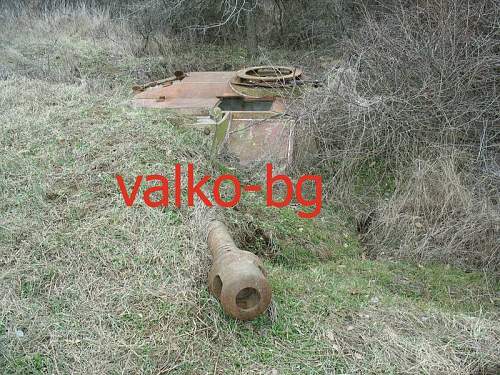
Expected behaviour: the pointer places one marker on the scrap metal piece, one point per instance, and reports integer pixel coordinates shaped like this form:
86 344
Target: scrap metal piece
196 94
178 76
269 74
249 126
260 139
254 137
237 277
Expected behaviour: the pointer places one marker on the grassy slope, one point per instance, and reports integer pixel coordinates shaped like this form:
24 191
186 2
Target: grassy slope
90 286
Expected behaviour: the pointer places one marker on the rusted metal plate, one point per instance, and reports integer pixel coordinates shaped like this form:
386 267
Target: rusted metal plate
200 106
197 93
259 140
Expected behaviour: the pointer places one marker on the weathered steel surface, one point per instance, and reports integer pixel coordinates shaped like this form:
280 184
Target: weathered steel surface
197 93
197 107
179 75
264 139
237 277
255 136
252 136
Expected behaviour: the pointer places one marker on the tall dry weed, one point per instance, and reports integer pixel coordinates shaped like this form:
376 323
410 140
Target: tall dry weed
419 82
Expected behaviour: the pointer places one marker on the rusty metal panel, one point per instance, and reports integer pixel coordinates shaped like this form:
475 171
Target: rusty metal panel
200 106
199 90
265 140
195 85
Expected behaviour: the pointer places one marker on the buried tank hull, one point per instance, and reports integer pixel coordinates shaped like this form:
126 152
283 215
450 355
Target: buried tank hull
243 112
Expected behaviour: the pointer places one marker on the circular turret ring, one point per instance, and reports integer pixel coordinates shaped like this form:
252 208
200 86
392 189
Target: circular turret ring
283 73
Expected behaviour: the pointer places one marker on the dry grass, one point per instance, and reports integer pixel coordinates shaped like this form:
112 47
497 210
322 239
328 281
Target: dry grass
76 263
435 216
408 127
89 286
408 341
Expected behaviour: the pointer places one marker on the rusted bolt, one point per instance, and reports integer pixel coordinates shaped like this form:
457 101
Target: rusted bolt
237 277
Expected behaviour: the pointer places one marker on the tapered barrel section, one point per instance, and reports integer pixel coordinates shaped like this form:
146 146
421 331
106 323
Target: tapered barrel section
237 277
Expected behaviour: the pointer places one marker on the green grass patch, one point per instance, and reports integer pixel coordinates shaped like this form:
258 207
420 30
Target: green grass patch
35 364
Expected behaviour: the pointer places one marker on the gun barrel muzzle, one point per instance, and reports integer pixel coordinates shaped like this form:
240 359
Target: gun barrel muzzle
237 277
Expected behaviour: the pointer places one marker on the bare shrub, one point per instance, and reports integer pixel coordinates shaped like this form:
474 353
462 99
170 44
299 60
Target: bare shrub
419 82
417 79
435 215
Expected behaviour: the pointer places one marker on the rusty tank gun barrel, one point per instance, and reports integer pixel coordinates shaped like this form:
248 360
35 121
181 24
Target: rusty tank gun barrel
237 277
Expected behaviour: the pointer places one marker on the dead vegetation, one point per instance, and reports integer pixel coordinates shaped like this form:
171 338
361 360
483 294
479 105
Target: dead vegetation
435 215
407 341
408 127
